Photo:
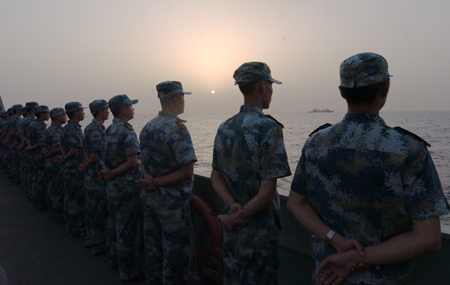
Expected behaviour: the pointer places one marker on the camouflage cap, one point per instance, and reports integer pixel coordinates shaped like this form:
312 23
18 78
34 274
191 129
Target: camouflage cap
97 105
253 71
120 100
363 69
30 105
16 107
24 110
41 109
73 106
57 112
167 89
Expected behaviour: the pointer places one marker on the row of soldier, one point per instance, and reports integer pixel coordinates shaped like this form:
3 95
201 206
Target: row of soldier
90 181
368 193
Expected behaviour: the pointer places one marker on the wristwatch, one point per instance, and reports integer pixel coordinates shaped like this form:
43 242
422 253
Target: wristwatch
329 236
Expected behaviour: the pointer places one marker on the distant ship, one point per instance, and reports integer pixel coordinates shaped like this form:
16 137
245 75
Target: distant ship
325 110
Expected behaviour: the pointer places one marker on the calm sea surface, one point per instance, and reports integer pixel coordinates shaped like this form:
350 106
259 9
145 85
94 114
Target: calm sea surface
431 126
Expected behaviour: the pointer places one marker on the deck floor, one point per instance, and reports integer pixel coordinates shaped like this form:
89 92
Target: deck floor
36 250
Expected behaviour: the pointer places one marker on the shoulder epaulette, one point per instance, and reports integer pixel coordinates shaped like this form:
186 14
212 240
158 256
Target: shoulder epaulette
275 120
402 130
324 126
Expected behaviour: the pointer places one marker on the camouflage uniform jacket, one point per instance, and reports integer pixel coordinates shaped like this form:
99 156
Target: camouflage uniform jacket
36 134
52 140
93 136
248 149
72 137
119 142
25 124
368 181
166 146
13 124
3 125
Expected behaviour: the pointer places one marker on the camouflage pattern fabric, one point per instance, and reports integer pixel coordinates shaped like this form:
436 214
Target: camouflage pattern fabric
250 264
249 148
72 137
36 134
96 207
2 147
166 146
55 191
74 201
23 156
28 162
363 69
368 181
25 124
13 161
74 197
124 226
124 203
167 241
120 141
167 89
253 71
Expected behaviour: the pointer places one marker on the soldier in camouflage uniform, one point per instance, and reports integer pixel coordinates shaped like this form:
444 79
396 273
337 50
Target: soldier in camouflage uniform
120 155
72 142
12 143
36 134
168 159
7 115
96 208
27 159
20 148
53 150
361 182
3 116
249 156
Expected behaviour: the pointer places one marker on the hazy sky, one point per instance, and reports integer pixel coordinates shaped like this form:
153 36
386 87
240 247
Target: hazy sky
58 51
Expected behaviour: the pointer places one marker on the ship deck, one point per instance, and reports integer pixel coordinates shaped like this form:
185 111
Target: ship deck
36 250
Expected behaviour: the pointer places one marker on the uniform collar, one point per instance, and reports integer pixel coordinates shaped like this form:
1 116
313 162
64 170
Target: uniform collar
73 122
250 108
119 121
55 124
363 118
97 123
169 114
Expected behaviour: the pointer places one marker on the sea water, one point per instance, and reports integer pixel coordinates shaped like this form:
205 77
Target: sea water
431 126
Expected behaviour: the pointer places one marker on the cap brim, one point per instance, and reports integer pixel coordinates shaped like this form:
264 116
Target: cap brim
275 81
186 93
134 101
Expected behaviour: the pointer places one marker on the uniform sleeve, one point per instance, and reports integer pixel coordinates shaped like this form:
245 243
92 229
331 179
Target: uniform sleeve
15 126
55 139
272 154
95 141
423 190
40 133
215 162
131 144
182 147
74 140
